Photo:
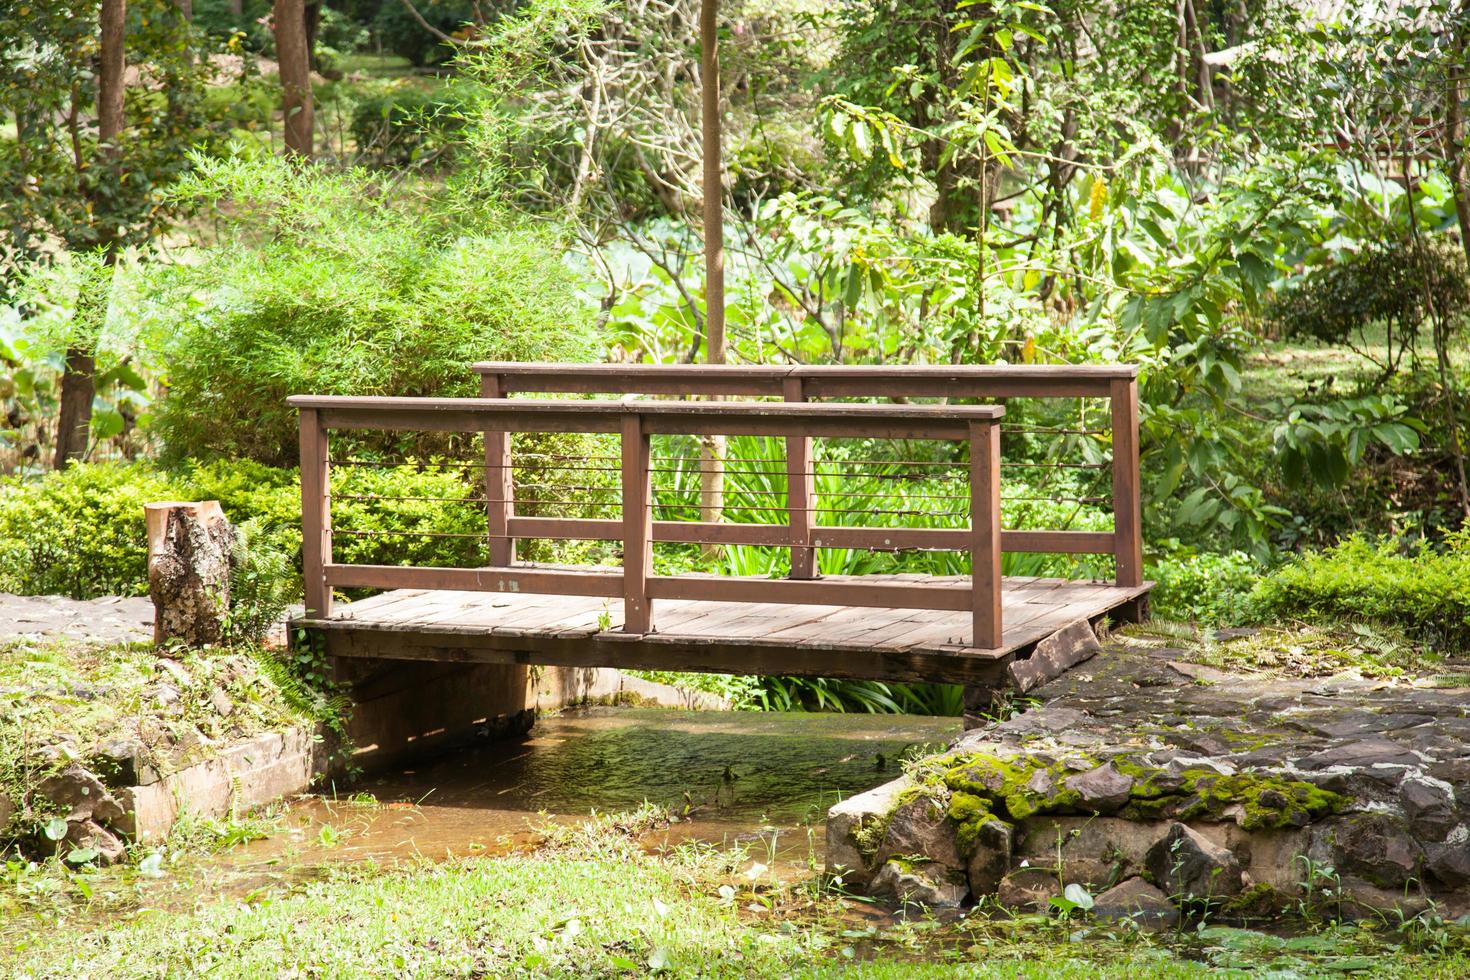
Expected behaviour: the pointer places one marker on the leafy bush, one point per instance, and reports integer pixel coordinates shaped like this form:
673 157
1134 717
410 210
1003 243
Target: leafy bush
1422 590
332 284
1399 286
79 532
401 34
401 125
1207 588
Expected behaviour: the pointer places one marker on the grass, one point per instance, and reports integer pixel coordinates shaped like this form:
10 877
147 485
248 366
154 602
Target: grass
374 65
591 901
1287 368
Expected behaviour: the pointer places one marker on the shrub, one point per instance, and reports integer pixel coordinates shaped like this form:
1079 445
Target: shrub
332 284
1424 591
401 34
1208 588
263 582
400 126
79 532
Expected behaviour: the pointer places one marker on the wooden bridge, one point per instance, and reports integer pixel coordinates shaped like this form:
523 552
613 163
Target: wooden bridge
902 626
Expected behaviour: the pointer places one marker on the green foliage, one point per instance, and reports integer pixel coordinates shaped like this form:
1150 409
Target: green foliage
263 582
1209 588
847 695
79 532
1326 442
1394 286
400 33
743 691
1422 590
437 503
403 125
334 284
57 184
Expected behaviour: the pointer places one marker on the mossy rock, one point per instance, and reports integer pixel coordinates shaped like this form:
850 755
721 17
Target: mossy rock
970 815
1259 901
1267 801
1027 786
1024 786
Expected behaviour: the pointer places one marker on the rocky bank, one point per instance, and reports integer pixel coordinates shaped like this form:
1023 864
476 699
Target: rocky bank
1161 787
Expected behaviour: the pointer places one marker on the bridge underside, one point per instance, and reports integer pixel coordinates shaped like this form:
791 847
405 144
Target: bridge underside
725 637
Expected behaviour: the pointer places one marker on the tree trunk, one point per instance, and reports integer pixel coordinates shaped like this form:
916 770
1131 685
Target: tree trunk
289 22
1454 135
190 546
714 225
113 21
1459 174
712 448
74 419
313 19
237 8
78 379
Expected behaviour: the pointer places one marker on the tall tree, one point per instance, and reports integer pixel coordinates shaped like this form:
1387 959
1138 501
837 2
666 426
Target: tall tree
294 56
712 447
714 199
82 175
78 381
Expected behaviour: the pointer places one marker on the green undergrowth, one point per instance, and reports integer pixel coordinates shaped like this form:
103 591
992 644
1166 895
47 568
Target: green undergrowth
1422 590
80 532
62 702
594 901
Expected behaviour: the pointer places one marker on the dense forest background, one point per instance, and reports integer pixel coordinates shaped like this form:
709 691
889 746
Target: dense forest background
1262 203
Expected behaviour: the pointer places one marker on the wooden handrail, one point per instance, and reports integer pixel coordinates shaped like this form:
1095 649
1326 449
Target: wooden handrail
817 381
800 383
636 422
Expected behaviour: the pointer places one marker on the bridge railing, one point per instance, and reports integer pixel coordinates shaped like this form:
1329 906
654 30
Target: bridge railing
636 422
1117 384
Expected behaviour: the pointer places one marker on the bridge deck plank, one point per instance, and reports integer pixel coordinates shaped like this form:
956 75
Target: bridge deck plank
766 637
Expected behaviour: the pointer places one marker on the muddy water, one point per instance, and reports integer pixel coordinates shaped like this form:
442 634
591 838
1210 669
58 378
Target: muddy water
762 778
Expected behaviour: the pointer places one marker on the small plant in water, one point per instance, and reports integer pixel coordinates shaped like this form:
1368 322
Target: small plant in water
1321 886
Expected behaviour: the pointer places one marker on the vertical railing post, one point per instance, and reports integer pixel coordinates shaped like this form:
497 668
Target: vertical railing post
316 515
499 483
637 526
800 492
985 532
1127 507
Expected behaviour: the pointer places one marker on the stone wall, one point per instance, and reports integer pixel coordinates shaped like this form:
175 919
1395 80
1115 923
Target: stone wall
1162 789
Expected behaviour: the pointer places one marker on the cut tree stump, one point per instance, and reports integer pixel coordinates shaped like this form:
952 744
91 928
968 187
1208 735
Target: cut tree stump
190 545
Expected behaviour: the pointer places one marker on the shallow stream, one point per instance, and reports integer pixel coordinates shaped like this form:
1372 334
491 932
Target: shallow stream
765 779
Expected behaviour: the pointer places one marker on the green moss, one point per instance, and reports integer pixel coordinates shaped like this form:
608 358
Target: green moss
1013 783
970 814
1027 786
868 835
1256 902
1267 801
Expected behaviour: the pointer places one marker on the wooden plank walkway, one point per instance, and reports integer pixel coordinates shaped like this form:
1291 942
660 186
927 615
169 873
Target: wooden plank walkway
735 637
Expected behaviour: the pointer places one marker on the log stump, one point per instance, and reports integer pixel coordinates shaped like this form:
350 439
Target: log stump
190 546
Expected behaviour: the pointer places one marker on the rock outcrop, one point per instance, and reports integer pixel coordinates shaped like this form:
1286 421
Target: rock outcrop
1166 787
